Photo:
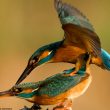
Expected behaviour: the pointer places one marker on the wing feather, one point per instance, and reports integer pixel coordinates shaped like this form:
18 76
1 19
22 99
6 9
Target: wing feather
69 14
88 39
77 28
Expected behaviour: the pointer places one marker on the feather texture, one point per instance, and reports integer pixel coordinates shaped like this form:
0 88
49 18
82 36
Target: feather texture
87 39
53 85
69 14
77 28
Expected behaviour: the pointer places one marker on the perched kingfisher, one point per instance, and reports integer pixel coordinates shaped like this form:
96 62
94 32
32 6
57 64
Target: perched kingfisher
56 89
79 38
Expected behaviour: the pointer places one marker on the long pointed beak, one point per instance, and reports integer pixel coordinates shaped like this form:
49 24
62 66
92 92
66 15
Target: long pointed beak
28 69
6 93
26 72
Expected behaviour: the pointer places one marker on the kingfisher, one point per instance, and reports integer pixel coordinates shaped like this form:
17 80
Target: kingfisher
79 38
56 89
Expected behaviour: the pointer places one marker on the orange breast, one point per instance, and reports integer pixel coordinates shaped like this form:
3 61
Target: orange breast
71 94
67 54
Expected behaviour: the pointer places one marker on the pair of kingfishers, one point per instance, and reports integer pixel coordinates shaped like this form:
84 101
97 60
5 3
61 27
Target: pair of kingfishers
56 89
80 46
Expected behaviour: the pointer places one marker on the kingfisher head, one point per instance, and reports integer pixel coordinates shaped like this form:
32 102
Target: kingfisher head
39 57
11 92
23 92
105 58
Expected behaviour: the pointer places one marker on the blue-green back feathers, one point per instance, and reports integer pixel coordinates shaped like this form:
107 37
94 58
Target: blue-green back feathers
57 85
69 14
53 85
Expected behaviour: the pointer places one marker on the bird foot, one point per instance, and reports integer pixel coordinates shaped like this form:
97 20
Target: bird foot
34 107
71 74
62 108
67 105
68 71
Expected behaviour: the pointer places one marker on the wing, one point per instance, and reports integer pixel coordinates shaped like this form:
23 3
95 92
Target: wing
69 14
77 28
52 86
58 84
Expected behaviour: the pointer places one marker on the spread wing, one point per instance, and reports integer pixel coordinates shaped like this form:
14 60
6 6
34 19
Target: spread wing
77 28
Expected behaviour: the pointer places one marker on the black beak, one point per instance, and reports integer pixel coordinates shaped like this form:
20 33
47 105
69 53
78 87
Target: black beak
26 72
6 93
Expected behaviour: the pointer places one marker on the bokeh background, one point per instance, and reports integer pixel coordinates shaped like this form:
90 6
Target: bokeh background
25 25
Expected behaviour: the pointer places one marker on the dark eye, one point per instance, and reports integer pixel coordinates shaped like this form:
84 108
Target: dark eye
33 61
36 58
17 90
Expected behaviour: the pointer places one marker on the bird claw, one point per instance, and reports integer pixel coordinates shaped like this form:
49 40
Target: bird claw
66 75
70 74
34 107
63 108
67 105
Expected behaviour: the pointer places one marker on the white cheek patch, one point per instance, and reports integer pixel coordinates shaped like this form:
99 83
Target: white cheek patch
49 52
44 54
35 89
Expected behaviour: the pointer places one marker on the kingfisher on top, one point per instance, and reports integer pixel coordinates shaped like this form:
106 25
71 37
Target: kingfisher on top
79 38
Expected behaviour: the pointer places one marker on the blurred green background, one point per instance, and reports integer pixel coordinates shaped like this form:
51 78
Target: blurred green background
25 25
